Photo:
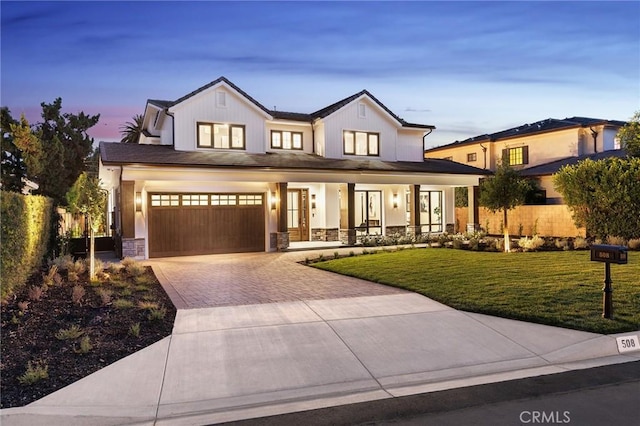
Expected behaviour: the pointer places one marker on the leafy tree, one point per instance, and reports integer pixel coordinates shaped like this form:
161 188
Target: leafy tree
462 196
503 191
629 136
13 169
65 145
87 198
131 131
30 148
604 196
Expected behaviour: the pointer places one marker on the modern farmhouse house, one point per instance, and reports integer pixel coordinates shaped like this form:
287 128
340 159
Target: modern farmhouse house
217 172
537 150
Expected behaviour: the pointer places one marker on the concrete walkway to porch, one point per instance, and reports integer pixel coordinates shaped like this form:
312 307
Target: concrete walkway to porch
259 334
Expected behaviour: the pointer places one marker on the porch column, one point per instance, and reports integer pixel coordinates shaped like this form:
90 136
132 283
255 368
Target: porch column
282 236
414 228
348 216
473 220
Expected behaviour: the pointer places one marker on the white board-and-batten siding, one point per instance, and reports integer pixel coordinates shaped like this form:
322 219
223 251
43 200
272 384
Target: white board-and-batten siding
204 107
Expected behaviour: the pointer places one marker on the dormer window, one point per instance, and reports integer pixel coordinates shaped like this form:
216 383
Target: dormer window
286 140
361 143
221 136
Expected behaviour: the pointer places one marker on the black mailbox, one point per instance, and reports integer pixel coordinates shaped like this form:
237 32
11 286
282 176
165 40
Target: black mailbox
609 253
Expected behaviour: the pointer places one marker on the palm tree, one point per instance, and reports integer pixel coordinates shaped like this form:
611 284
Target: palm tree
131 131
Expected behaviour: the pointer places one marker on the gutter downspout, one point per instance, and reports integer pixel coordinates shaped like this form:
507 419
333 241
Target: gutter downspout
484 153
423 143
173 127
313 136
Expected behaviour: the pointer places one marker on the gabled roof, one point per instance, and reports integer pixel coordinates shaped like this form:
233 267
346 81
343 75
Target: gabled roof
168 104
294 116
113 153
542 126
326 111
553 166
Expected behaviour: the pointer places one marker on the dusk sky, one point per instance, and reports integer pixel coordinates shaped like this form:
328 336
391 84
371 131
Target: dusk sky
466 67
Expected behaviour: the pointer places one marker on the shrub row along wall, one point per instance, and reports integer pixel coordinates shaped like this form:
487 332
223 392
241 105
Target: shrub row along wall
25 235
552 220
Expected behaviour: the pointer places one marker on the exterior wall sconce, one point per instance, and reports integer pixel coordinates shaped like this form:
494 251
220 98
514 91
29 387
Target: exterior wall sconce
274 201
138 201
395 201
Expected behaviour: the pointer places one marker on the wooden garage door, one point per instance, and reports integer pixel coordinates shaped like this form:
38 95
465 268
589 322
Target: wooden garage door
188 224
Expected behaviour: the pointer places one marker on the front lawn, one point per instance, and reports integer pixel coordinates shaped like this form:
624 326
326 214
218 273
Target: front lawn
557 288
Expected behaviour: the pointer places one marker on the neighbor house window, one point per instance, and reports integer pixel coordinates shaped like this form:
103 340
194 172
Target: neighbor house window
472 157
361 143
223 136
516 156
286 140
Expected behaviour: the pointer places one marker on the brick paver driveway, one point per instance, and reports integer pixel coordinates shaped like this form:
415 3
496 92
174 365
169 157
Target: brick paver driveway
252 278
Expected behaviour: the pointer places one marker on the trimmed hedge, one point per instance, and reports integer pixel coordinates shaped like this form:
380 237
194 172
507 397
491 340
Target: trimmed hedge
25 235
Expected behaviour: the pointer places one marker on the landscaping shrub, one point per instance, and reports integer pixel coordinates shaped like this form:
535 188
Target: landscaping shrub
580 243
616 241
531 244
26 235
634 244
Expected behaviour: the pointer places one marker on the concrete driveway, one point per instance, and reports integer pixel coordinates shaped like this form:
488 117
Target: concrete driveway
305 339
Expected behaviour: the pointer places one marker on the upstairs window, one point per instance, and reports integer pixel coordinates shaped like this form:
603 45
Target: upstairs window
286 140
221 136
472 157
361 143
516 156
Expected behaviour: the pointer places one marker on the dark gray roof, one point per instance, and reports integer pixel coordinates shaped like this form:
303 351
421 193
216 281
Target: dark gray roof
114 153
542 126
160 103
553 166
296 116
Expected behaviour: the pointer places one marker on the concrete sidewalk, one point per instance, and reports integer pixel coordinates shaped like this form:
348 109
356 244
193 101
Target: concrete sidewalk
238 362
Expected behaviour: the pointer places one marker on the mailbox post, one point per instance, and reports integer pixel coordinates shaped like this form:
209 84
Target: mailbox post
608 254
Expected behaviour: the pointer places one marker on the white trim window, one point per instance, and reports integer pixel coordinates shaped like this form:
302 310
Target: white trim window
361 143
221 136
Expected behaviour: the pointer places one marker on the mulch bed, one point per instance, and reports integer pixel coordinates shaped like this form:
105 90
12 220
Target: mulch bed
102 314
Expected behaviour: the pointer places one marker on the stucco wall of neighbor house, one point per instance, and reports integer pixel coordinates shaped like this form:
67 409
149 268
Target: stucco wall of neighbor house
546 183
552 220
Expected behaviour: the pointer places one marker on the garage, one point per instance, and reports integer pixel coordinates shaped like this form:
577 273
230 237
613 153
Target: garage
189 224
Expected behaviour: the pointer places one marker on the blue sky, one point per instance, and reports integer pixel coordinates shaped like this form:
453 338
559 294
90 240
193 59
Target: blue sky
466 67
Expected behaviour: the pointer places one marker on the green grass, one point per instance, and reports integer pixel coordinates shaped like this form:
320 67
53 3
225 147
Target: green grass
561 288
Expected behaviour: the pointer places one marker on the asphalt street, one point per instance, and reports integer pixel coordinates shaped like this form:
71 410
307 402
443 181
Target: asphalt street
601 396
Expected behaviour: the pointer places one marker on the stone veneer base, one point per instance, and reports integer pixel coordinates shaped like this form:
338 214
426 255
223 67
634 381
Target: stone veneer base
325 234
133 247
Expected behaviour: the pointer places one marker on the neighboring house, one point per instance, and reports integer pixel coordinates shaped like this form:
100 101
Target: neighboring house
215 171
538 150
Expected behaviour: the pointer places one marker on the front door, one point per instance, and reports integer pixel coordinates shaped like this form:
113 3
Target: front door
297 214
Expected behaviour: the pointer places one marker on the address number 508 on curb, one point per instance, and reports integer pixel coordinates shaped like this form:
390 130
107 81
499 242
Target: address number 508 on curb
628 343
